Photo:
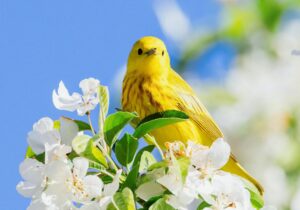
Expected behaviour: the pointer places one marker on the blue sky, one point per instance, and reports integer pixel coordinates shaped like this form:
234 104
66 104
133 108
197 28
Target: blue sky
45 41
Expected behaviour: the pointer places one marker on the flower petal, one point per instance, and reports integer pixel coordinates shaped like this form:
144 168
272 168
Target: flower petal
27 189
32 170
111 189
58 171
43 125
93 185
89 86
219 154
64 101
68 130
171 181
81 166
43 132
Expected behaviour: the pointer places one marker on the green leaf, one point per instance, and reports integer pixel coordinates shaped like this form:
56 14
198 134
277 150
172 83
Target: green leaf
148 190
151 176
125 149
72 155
131 179
256 199
103 100
123 201
29 153
95 165
255 196
40 157
158 120
151 201
270 12
92 153
113 125
147 159
161 164
161 205
203 205
82 126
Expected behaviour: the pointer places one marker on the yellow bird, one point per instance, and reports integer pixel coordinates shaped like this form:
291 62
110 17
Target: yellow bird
151 85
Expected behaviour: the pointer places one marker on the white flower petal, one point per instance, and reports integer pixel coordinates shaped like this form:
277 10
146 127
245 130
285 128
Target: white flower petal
58 171
198 154
59 193
89 86
64 101
89 103
93 185
43 125
32 170
43 132
228 189
68 130
39 205
175 203
111 189
81 166
171 181
103 203
28 189
219 153
90 206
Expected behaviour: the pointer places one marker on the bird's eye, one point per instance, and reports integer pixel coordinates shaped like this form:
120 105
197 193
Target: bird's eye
140 51
163 52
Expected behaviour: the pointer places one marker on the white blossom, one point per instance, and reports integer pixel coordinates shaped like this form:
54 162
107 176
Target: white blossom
106 195
43 133
32 171
228 194
71 183
209 159
82 103
204 168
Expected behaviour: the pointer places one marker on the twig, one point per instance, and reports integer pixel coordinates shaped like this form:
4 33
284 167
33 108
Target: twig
90 122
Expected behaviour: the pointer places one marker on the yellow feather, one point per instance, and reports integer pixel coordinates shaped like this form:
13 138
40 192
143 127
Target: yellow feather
150 85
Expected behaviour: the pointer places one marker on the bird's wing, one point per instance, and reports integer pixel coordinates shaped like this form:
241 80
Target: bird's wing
189 103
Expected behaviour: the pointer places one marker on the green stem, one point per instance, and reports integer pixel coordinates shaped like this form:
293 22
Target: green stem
114 166
90 122
107 173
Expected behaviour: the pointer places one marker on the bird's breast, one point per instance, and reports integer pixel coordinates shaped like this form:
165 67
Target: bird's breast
147 96
143 95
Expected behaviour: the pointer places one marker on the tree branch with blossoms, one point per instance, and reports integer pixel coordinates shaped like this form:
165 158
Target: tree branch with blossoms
71 165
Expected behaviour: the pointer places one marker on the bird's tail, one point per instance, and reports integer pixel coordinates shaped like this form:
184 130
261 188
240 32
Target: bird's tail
234 167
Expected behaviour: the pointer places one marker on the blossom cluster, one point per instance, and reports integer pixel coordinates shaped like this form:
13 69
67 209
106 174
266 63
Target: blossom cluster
194 176
71 165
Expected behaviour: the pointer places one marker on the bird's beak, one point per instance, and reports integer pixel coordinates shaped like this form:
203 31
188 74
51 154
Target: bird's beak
151 51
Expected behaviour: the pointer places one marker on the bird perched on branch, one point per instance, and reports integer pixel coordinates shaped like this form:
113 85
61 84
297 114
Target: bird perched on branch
151 85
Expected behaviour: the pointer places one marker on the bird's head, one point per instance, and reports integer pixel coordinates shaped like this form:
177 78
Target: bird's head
148 56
